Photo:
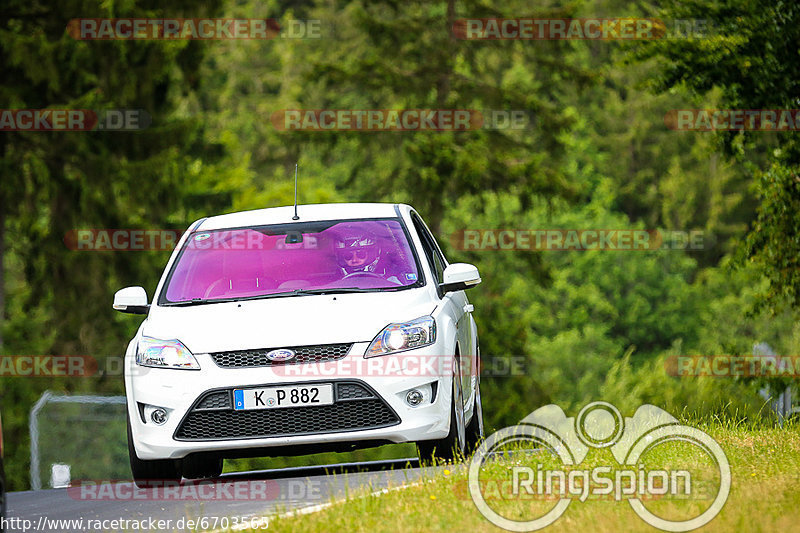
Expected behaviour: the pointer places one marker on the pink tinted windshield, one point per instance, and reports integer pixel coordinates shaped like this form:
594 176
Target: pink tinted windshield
362 254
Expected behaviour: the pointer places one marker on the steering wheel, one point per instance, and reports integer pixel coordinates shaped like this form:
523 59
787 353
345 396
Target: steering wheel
362 273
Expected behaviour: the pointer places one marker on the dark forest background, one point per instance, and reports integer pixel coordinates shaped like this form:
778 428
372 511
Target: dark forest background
591 325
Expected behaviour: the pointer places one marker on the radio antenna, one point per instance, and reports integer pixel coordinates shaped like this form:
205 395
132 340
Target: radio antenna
295 217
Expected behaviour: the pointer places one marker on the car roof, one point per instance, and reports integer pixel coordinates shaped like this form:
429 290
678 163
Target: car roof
306 212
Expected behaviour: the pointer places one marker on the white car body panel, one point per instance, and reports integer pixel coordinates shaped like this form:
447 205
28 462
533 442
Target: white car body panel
305 320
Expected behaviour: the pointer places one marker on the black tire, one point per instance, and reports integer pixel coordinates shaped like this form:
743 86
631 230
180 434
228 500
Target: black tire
149 473
201 466
448 449
474 431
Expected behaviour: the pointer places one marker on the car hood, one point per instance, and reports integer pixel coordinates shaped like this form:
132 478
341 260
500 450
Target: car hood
285 322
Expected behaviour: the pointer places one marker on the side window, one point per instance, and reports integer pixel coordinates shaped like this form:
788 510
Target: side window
439 266
435 260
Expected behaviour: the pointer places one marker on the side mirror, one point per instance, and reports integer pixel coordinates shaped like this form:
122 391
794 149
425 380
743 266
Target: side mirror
459 277
131 300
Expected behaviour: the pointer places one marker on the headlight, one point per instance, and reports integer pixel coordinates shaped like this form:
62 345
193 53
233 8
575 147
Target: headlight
405 336
165 354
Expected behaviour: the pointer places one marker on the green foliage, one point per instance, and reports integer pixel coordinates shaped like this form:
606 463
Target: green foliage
774 243
57 300
587 325
751 57
700 398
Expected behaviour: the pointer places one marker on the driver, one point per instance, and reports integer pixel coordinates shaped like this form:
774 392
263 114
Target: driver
360 252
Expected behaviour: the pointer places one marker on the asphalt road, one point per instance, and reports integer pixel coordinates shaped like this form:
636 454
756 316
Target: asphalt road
236 498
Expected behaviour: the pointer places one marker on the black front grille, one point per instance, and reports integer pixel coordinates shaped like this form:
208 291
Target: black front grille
355 407
319 353
215 400
352 391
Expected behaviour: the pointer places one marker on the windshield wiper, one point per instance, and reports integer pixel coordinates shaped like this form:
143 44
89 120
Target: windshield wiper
199 301
332 290
296 292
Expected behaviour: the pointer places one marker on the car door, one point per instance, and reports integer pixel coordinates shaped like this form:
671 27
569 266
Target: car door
456 304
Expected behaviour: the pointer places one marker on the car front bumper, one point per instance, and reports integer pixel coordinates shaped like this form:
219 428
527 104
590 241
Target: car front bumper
390 377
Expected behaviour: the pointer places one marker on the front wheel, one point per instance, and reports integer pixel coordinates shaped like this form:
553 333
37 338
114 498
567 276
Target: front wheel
452 448
475 427
150 473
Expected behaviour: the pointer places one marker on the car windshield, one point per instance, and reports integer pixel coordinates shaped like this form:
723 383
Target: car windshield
292 259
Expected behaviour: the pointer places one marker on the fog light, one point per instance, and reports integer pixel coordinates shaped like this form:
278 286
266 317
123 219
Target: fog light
158 416
414 398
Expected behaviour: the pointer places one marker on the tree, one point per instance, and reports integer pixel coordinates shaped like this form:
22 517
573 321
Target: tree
54 182
751 56
431 69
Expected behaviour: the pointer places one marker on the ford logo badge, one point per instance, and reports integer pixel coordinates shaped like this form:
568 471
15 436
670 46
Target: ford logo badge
280 355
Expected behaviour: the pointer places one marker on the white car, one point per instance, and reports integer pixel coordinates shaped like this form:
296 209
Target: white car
280 333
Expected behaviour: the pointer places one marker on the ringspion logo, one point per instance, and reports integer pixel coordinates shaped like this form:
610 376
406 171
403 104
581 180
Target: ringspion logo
553 438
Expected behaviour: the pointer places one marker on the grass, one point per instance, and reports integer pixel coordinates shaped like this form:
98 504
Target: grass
765 466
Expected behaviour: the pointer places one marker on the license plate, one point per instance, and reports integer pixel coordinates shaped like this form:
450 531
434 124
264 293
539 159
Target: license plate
277 397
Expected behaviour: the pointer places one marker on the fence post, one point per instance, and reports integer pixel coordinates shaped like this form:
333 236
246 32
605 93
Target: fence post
36 480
